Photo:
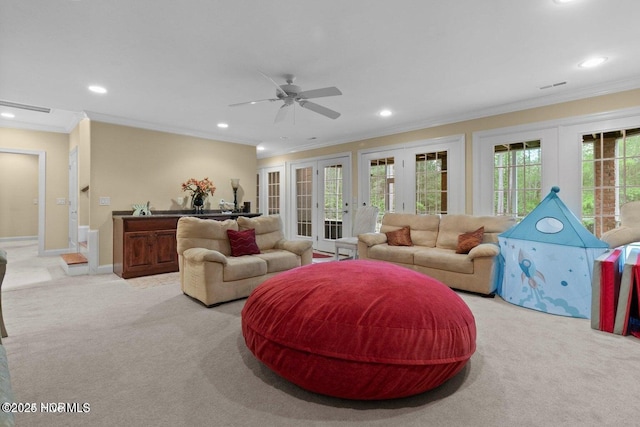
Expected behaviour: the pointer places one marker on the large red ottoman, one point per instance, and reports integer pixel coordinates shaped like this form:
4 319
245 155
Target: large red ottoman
359 329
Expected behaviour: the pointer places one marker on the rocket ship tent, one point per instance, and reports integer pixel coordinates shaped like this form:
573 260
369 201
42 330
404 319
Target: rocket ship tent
548 260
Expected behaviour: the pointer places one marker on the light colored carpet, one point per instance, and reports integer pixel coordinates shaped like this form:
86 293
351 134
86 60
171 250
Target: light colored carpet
150 356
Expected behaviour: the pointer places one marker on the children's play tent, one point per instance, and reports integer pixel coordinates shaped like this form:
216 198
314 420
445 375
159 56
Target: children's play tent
548 260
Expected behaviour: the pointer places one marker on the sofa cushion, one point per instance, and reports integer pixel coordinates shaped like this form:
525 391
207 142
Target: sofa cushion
400 237
451 226
424 228
195 232
243 242
400 254
268 230
243 267
279 260
468 241
443 259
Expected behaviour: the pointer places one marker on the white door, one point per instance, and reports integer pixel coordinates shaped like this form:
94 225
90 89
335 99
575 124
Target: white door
321 201
73 200
334 201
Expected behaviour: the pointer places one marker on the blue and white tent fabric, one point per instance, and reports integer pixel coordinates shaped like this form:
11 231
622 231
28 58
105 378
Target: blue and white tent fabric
548 260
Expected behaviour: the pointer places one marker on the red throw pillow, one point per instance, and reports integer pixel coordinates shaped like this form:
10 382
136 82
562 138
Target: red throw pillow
243 242
468 241
401 237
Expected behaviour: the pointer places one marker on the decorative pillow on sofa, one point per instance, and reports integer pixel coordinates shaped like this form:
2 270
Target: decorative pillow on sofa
401 237
243 242
468 241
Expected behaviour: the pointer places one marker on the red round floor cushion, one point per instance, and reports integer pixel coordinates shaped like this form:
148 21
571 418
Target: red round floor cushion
359 329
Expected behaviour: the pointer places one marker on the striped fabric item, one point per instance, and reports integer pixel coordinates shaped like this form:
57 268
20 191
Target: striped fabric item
243 242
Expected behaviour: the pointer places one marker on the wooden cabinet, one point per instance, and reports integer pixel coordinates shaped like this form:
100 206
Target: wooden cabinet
142 247
146 245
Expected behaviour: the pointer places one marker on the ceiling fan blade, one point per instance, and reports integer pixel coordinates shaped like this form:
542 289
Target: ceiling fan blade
282 113
319 109
279 90
254 102
318 93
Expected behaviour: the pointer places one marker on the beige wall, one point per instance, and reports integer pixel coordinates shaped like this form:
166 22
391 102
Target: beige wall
56 148
132 165
568 109
18 192
81 137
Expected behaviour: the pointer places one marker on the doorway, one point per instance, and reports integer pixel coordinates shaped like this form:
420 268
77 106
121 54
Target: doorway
320 191
40 201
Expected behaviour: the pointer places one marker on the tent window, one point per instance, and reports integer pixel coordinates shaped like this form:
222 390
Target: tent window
610 177
517 178
549 225
431 183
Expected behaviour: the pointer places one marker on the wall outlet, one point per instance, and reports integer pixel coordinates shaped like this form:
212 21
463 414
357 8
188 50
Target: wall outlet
35 201
180 200
61 201
105 201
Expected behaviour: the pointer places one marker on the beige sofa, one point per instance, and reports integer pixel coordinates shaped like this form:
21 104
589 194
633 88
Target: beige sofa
435 239
211 275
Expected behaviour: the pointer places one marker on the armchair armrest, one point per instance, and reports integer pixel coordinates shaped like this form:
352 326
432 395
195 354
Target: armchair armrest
484 250
621 236
298 247
371 239
202 255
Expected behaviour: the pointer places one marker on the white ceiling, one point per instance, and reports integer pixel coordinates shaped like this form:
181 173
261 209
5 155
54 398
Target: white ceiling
177 65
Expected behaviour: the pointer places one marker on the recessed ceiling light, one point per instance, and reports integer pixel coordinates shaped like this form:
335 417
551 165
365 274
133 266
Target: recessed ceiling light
562 1
97 89
592 62
8 115
260 148
385 113
223 125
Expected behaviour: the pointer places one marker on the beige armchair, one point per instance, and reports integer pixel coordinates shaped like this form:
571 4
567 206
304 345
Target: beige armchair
211 275
629 229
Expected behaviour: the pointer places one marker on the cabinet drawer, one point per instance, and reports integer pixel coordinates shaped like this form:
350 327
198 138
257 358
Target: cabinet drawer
150 224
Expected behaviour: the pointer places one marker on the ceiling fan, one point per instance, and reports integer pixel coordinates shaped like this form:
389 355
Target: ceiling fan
291 94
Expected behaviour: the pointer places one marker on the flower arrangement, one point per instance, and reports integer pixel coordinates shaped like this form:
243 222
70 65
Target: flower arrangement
199 188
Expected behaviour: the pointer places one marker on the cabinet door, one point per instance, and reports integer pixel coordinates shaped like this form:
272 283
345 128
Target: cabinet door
165 247
137 249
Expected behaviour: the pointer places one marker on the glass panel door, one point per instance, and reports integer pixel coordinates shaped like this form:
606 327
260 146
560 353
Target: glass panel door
304 201
321 210
333 197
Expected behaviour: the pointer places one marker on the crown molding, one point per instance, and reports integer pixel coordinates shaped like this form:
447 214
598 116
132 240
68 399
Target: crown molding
123 121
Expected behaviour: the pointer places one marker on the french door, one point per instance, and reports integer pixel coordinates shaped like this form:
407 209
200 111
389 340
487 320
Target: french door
321 208
424 177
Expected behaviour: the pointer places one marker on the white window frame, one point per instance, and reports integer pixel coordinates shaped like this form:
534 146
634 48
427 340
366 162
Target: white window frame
561 145
571 137
405 170
264 188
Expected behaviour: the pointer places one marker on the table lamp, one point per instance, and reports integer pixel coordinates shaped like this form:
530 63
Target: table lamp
235 183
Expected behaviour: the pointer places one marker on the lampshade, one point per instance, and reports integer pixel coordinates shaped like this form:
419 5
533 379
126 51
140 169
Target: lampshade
235 183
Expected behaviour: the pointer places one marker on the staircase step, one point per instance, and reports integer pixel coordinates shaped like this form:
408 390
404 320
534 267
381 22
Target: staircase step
74 264
75 258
